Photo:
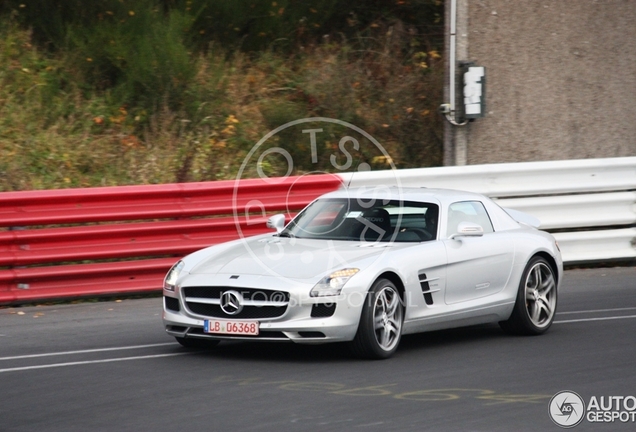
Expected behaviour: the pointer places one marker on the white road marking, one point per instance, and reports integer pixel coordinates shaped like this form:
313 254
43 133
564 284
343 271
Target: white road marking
184 353
87 351
23 368
596 311
594 319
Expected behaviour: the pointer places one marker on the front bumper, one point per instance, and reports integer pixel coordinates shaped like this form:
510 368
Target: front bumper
305 320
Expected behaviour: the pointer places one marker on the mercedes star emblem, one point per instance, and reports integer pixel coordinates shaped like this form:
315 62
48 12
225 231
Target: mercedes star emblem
231 302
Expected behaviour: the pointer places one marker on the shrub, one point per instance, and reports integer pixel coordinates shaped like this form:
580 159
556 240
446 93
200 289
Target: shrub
96 98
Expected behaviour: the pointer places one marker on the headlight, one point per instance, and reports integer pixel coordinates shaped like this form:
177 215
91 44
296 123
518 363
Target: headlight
171 278
332 285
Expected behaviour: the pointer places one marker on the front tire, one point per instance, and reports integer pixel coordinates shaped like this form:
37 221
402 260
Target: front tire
536 302
380 327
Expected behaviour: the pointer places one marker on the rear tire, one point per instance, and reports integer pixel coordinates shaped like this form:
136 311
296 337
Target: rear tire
536 302
195 343
380 327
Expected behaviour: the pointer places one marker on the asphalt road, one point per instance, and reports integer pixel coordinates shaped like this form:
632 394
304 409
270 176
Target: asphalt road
109 366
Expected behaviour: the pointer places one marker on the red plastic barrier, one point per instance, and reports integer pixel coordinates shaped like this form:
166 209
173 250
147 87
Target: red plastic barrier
22 285
120 223
98 242
161 201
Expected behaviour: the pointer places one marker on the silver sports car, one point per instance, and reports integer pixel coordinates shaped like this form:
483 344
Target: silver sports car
366 266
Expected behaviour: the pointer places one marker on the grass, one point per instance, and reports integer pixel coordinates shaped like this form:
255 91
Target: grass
195 114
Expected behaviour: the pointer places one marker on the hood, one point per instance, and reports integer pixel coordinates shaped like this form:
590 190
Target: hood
288 257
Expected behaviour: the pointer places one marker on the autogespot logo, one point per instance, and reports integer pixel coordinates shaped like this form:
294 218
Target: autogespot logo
567 409
285 158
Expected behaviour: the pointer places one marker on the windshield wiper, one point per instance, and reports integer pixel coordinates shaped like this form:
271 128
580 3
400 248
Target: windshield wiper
286 234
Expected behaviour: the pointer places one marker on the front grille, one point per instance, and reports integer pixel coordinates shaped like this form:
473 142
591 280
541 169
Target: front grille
253 312
256 303
214 292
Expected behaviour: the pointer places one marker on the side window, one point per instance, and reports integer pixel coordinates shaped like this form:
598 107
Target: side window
468 211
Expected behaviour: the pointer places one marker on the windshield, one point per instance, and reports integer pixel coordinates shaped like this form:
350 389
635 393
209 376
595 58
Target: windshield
357 220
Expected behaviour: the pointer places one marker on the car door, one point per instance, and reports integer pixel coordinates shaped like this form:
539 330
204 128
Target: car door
477 266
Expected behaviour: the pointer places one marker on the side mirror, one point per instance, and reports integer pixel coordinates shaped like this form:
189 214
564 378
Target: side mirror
276 222
467 229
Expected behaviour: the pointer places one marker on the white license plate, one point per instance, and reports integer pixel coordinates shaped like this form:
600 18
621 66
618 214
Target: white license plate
245 328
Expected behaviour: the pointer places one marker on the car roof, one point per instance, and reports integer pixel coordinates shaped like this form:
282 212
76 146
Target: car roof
442 196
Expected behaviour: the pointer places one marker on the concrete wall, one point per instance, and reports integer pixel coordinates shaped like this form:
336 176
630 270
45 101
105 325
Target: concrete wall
561 80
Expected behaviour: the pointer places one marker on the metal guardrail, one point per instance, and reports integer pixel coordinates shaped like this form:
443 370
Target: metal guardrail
589 205
597 246
586 217
576 211
525 179
578 200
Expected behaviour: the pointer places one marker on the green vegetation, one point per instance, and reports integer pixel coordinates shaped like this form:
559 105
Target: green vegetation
115 92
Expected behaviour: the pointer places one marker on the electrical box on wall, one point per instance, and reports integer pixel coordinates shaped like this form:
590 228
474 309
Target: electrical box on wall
474 90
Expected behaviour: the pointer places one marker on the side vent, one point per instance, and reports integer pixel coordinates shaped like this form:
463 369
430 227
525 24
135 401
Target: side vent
426 288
